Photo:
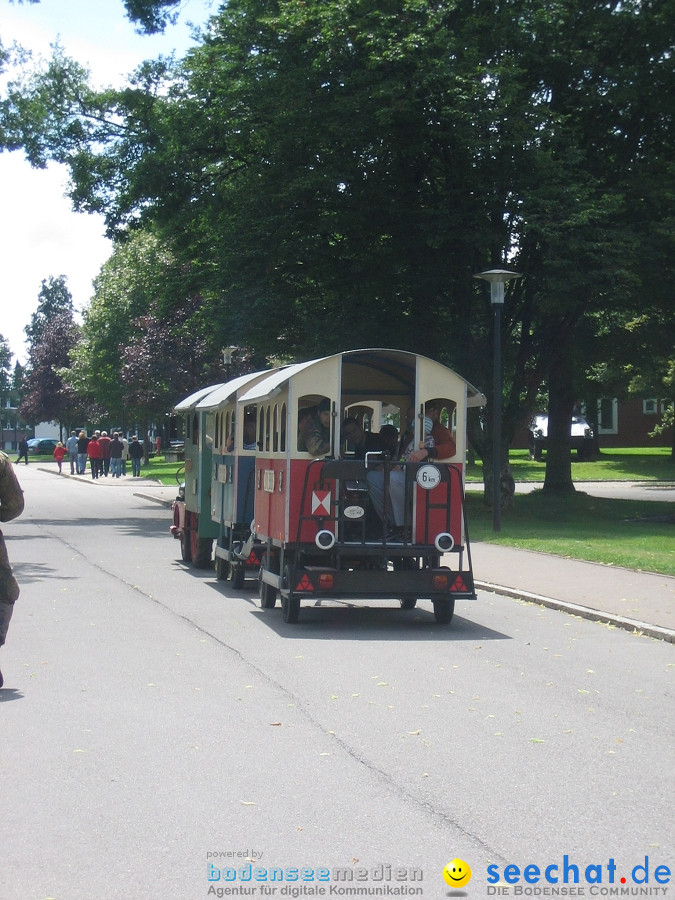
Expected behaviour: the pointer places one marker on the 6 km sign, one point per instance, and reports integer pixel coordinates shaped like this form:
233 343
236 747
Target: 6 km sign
428 477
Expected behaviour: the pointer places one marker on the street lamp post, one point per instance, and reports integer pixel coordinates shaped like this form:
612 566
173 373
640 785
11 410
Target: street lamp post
497 279
227 360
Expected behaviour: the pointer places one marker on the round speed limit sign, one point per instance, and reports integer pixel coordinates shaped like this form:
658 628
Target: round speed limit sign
428 476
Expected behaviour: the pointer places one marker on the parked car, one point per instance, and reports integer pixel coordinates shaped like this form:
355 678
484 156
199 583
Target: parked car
581 436
42 446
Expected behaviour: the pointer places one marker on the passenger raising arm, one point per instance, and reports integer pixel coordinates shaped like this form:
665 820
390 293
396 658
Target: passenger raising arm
445 447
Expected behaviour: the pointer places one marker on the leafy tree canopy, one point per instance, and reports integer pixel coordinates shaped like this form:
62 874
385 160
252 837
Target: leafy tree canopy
332 174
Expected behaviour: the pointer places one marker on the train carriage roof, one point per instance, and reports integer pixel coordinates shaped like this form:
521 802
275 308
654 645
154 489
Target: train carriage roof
224 392
380 361
193 399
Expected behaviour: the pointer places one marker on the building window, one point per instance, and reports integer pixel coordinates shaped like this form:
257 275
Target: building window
608 422
650 407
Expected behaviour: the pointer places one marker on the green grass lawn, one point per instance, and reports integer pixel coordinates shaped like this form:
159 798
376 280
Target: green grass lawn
612 532
631 464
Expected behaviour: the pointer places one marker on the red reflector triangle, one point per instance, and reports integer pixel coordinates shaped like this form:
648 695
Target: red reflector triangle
459 584
304 584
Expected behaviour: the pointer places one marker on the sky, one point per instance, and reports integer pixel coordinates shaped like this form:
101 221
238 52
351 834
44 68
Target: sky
40 235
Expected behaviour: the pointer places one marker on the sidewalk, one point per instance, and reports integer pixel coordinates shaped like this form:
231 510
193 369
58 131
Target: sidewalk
635 601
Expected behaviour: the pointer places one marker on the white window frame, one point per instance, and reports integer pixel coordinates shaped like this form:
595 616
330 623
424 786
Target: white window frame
614 428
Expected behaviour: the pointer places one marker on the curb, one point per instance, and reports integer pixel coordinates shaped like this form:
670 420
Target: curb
161 500
585 612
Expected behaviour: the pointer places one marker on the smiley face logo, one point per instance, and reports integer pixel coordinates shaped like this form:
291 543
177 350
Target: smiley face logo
457 873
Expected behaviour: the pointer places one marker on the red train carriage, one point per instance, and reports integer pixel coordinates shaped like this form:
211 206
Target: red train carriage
362 517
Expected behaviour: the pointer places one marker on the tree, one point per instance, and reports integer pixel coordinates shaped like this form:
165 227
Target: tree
144 343
333 174
51 334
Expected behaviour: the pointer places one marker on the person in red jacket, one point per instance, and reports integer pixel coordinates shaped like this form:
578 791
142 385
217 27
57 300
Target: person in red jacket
443 444
59 452
105 442
94 454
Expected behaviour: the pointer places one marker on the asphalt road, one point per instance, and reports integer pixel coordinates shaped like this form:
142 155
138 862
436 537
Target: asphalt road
152 716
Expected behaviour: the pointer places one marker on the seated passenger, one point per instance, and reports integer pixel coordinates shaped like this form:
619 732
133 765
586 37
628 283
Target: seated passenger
444 443
362 441
250 442
314 430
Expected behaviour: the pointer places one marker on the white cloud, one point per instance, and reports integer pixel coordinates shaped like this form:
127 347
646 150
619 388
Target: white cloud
40 235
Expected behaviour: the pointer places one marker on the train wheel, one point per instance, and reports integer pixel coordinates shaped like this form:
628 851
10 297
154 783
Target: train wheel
238 577
185 546
408 602
267 593
200 549
290 605
222 568
444 611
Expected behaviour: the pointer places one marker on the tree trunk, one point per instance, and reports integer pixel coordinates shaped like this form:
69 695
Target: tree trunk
558 478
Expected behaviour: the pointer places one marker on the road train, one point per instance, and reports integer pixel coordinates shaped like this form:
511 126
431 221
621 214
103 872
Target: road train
352 517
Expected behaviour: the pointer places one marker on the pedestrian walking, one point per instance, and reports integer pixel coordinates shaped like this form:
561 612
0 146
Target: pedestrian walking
23 451
136 455
71 447
105 442
82 444
94 454
116 448
11 506
125 454
59 452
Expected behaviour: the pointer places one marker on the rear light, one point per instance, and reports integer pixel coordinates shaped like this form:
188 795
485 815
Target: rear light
326 581
440 582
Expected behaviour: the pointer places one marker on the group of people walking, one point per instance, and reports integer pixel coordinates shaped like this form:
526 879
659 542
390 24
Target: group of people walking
107 455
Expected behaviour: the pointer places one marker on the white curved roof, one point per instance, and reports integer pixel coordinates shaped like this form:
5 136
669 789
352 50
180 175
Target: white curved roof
224 392
193 399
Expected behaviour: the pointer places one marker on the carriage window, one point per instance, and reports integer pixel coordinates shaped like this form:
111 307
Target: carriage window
195 429
248 440
275 429
268 414
261 430
228 437
283 428
313 426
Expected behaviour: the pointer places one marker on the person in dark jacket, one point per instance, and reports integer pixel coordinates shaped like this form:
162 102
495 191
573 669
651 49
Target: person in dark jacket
11 506
116 448
136 455
82 444
23 451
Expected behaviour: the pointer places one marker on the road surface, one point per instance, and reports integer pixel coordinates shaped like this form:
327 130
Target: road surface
159 729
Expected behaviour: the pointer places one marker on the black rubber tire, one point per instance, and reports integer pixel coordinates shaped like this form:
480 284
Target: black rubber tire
238 577
444 611
186 547
201 551
290 604
290 609
222 568
267 594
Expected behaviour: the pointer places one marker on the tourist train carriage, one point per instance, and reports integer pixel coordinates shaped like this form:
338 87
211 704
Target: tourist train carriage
231 477
192 523
322 533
